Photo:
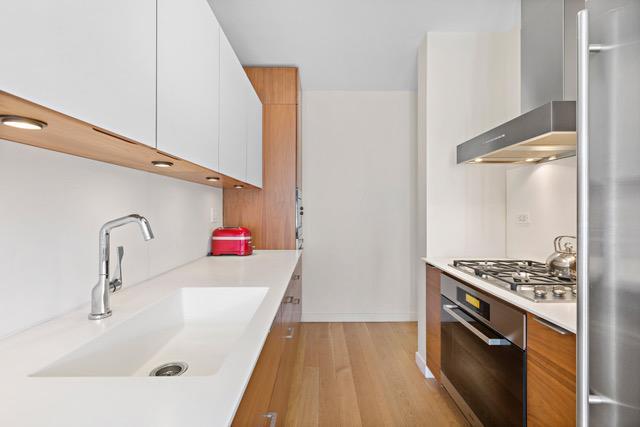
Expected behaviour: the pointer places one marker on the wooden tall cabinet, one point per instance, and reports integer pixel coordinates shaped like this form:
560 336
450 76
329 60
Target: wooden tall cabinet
270 212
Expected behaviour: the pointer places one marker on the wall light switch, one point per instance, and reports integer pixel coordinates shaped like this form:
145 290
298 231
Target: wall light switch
523 218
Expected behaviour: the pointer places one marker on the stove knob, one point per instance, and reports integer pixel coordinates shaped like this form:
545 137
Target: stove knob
559 291
539 291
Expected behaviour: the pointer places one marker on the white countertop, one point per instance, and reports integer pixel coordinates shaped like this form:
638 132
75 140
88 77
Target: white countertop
140 401
562 314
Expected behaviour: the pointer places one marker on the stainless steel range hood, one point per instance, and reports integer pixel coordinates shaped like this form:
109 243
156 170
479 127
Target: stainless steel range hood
547 129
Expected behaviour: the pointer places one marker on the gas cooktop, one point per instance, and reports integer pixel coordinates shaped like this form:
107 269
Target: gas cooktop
529 279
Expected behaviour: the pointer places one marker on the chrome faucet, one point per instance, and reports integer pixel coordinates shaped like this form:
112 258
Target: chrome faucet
100 307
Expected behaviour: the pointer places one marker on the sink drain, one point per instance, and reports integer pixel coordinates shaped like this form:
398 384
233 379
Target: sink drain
172 369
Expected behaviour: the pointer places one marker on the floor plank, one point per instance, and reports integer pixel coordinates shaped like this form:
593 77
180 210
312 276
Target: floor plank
364 374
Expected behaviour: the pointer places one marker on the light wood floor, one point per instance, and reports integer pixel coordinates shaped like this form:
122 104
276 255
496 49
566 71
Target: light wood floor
364 374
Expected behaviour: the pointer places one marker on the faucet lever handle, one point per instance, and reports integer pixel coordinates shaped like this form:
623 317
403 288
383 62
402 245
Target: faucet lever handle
116 283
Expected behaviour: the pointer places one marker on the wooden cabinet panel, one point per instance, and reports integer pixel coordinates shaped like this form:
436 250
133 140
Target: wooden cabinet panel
257 396
91 60
270 385
282 388
551 376
433 321
188 81
71 136
275 85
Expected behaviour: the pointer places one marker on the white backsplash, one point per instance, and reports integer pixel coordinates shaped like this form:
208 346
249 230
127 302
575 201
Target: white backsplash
547 193
51 209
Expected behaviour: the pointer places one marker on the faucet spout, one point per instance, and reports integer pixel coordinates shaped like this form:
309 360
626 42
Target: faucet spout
100 307
147 233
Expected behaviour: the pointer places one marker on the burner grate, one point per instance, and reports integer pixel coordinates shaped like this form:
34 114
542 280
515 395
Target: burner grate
513 272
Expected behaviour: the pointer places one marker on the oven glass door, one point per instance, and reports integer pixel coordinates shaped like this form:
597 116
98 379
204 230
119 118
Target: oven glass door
486 370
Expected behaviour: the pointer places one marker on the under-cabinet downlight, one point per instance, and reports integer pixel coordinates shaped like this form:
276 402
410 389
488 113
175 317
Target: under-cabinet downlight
530 160
212 178
162 164
20 122
238 186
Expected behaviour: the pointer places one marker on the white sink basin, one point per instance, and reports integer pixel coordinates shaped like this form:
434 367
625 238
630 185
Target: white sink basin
197 326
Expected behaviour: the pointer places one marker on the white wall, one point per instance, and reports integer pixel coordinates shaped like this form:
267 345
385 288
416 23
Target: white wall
358 148
52 206
546 192
468 83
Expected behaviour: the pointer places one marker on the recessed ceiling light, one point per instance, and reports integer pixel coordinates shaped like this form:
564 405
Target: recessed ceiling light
212 178
161 164
22 122
531 160
238 186
478 160
552 158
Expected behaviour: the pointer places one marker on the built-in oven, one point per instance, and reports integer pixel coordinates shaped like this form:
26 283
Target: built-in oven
483 355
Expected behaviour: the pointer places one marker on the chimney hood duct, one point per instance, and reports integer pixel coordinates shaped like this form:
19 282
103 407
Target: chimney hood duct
548 67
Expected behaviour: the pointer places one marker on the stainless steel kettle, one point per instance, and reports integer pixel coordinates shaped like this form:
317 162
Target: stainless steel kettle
562 262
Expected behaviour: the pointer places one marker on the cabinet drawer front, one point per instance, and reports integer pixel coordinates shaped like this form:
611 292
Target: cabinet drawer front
551 374
551 344
257 396
551 394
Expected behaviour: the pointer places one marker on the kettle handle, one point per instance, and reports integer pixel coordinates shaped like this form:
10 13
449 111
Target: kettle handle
558 240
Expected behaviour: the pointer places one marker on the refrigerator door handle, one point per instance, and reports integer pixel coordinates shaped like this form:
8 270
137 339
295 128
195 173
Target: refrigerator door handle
582 126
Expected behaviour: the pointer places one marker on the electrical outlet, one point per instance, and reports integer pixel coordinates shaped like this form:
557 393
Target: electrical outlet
213 215
523 218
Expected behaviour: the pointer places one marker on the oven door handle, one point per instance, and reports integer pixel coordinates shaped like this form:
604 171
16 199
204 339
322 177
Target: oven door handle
489 341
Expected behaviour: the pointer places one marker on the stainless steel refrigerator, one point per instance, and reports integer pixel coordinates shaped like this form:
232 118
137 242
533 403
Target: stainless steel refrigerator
608 125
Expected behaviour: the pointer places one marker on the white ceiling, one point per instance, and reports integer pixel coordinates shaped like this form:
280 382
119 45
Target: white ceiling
352 44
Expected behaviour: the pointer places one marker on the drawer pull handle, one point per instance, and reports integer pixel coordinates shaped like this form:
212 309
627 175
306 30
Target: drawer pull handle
287 300
296 277
551 326
296 300
272 417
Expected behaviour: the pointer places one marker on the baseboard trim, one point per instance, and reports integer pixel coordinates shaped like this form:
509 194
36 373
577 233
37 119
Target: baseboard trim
422 365
359 317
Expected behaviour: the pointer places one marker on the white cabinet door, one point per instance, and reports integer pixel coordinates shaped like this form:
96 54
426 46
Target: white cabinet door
233 113
254 138
93 60
188 81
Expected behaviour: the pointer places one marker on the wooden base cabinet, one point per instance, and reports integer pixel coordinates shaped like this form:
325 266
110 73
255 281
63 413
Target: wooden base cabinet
551 374
433 321
266 398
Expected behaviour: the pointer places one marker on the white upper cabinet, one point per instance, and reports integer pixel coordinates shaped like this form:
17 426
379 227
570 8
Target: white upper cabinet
93 60
188 81
233 113
159 72
254 137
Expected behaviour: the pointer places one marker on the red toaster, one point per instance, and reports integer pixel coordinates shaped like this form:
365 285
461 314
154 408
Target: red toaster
231 241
